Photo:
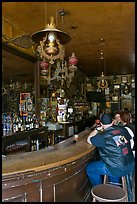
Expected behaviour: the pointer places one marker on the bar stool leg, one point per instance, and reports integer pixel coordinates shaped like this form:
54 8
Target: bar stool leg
94 199
105 179
124 185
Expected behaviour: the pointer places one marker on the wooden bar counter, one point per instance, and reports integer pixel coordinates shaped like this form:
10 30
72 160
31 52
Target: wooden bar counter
53 174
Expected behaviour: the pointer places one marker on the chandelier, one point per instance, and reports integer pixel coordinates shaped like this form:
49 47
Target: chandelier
50 49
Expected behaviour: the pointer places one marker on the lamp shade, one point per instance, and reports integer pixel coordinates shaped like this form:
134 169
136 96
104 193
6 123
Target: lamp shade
44 64
50 42
62 36
73 59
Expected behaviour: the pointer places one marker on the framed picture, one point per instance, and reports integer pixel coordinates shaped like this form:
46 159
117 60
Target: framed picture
116 91
124 79
22 106
117 86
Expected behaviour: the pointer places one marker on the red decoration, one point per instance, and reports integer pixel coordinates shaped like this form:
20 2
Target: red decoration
73 59
44 64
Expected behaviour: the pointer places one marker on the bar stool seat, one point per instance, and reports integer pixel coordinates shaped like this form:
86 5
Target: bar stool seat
124 184
108 193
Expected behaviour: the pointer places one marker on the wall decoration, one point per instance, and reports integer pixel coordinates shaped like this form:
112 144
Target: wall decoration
124 79
22 106
126 89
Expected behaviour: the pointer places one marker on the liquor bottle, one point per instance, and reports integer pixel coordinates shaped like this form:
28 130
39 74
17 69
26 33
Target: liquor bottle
4 126
11 123
31 123
32 145
19 124
64 117
27 123
16 121
24 122
34 120
22 125
14 125
36 124
37 144
41 144
43 120
8 124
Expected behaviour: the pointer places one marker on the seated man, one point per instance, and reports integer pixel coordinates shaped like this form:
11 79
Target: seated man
116 157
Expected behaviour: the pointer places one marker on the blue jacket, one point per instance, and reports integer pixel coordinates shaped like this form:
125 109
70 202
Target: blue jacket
114 149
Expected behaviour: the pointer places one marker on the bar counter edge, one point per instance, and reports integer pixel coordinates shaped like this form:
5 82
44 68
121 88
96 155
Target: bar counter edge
54 174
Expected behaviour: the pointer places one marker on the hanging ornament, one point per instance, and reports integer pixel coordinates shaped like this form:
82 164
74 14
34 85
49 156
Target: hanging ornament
72 62
44 67
102 83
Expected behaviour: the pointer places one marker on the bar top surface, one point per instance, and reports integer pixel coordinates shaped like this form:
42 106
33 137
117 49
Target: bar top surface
53 156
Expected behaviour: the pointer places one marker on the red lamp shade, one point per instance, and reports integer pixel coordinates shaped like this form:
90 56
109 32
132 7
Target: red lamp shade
44 64
44 67
73 59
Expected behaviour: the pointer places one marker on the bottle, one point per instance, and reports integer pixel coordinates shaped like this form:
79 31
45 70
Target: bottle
37 144
24 122
34 120
32 145
31 123
43 120
8 124
4 126
19 124
37 124
64 117
27 124
14 125
22 125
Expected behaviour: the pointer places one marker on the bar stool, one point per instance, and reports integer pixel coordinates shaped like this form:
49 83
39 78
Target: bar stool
124 184
108 193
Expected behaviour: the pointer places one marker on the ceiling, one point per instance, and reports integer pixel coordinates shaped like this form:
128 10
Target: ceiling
87 23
